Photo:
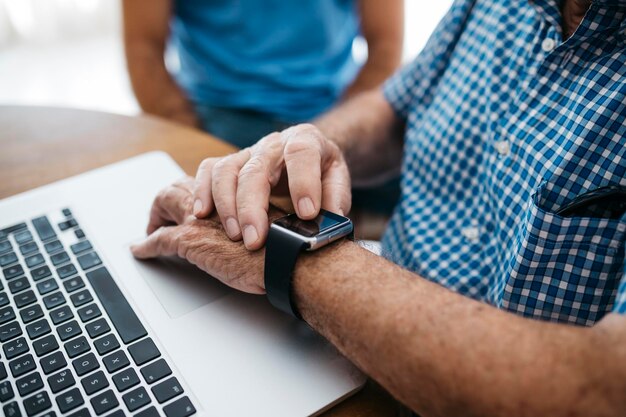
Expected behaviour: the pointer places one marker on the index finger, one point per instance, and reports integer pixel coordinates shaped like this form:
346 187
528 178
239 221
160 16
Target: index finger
203 201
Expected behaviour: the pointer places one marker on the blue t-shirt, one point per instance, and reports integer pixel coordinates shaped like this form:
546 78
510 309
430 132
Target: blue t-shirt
289 59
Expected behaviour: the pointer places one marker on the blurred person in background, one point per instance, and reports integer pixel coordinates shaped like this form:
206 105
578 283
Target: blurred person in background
252 67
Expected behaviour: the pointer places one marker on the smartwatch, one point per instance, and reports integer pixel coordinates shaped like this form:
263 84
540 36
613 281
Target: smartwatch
287 237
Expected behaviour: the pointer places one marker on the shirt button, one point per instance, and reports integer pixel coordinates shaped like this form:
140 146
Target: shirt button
503 147
548 45
470 233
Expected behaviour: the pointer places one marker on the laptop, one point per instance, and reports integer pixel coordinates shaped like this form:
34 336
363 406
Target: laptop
86 329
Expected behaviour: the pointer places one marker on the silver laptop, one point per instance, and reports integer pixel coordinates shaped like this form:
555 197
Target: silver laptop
86 329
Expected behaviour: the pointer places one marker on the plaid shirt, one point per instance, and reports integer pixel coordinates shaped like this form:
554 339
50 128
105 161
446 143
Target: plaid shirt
505 124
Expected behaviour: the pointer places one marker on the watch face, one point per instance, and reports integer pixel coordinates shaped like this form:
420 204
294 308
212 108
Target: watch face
309 228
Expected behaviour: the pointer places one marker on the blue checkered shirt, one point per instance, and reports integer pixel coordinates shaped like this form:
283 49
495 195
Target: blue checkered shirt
505 124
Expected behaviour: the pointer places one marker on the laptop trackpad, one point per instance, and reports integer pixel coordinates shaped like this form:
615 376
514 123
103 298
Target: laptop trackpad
180 286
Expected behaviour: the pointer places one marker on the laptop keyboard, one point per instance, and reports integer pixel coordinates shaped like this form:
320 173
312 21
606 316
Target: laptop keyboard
71 342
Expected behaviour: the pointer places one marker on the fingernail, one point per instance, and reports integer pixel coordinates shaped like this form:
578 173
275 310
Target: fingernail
250 235
197 207
306 207
232 227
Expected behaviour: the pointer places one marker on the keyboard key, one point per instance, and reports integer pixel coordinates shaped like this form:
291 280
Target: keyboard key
68 330
115 361
66 271
68 224
13 271
97 328
167 389
3 371
89 312
29 248
37 403
144 351
25 298
61 380
59 258
23 237
156 371
22 365
8 259
104 402
53 247
12 410
85 364
80 247
77 347
125 379
69 400
43 228
135 399
54 300
94 382
29 383
79 233
106 344
120 312
5 246
80 298
35 260
10 331
38 329
89 260
47 286
12 229
148 412
180 408
6 391
53 362
73 284
6 314
4 299
31 313
45 345
40 273
18 285
83 412
61 314
15 348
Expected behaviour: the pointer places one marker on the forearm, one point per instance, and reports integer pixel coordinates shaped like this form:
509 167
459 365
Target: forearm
382 61
146 28
444 354
370 135
156 91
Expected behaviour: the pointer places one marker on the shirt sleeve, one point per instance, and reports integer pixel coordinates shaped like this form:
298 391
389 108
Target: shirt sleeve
414 85
619 306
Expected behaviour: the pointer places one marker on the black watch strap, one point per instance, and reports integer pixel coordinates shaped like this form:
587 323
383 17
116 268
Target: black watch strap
281 254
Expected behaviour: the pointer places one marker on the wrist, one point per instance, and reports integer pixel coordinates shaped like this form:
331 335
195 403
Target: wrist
315 271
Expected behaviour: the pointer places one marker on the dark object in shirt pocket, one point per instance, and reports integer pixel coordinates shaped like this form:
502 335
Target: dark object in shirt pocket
605 202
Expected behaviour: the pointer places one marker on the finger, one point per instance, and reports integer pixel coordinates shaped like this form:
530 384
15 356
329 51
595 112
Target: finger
160 243
224 185
257 177
172 205
303 160
203 201
336 191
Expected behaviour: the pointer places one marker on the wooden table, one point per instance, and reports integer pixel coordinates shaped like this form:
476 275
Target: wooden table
40 145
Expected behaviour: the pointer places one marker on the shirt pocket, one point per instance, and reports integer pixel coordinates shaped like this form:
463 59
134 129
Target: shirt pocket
564 269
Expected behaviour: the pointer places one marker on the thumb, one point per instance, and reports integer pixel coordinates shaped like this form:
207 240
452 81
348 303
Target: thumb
160 243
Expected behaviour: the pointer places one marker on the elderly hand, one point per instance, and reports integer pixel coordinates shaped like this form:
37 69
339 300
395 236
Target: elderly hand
174 230
299 161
